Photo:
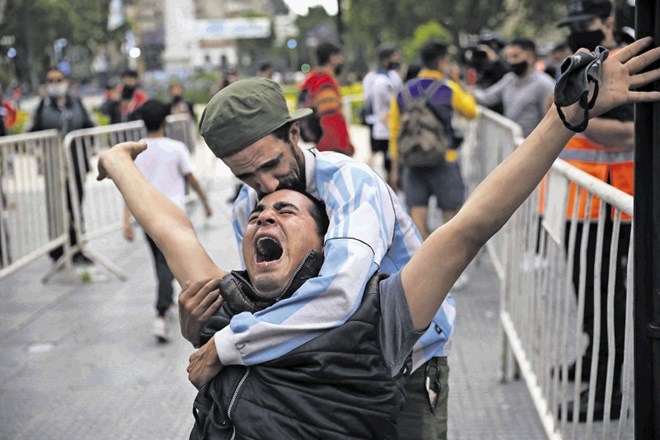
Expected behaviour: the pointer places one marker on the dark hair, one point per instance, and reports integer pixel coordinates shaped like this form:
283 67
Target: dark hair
153 112
385 51
525 44
325 50
283 132
318 213
129 74
559 47
412 71
432 52
265 66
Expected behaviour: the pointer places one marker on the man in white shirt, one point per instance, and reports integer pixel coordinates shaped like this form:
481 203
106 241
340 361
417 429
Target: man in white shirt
166 166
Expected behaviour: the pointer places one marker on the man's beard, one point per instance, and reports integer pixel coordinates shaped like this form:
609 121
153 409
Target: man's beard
295 180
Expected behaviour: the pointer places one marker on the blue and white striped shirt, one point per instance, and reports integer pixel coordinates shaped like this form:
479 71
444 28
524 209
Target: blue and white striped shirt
369 231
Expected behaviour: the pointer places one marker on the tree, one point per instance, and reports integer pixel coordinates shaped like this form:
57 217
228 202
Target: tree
424 33
36 24
378 21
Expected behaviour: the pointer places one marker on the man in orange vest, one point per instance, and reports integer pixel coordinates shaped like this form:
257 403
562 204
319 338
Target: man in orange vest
604 150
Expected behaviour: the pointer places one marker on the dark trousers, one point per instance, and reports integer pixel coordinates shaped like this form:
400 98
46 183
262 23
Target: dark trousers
164 277
56 253
619 295
416 420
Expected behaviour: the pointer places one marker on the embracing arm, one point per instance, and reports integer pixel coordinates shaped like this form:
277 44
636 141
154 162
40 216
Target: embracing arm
425 282
357 239
161 219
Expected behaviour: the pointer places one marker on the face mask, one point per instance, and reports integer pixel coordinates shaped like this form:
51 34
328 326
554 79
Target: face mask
586 39
127 92
338 69
393 66
57 90
519 68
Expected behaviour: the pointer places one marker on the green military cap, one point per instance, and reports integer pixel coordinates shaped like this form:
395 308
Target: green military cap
244 112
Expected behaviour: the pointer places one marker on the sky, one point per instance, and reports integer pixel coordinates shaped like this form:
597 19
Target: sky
300 6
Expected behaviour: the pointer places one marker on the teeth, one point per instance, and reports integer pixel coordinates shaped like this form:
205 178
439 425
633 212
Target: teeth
268 249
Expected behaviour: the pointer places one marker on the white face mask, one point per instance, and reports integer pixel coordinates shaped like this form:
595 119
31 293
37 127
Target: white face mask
57 90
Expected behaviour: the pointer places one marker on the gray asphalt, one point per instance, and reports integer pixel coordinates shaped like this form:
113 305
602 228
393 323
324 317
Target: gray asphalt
78 360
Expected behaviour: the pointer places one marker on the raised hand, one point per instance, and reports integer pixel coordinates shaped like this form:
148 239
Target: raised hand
620 75
119 151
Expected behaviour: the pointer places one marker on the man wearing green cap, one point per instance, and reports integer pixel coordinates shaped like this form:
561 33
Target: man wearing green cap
249 127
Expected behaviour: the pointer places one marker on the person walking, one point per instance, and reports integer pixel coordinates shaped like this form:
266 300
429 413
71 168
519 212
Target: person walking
379 87
166 166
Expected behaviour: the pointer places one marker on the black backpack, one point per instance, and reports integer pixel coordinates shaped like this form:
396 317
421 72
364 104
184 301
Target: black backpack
424 137
310 126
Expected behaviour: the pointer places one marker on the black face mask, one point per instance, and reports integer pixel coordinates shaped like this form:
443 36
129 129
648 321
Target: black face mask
586 39
393 66
338 69
127 92
519 68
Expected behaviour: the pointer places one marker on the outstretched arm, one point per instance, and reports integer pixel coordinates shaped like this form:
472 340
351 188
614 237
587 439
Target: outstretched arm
161 219
455 244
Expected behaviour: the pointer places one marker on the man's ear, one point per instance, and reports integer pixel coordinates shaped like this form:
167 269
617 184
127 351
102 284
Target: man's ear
294 133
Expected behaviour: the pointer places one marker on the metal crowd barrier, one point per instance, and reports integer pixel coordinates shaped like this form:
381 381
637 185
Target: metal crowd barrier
540 313
96 208
51 202
33 218
182 128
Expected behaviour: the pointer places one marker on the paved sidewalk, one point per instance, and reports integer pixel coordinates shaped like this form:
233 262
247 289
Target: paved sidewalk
78 360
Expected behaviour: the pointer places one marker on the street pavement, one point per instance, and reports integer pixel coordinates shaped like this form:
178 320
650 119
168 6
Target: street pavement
78 360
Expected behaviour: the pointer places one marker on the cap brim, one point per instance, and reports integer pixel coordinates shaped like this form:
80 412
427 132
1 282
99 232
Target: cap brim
300 113
575 18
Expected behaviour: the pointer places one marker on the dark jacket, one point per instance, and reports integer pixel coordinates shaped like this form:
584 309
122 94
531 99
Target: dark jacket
336 386
73 116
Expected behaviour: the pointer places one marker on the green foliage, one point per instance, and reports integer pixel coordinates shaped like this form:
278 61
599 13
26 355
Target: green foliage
36 24
428 31
372 22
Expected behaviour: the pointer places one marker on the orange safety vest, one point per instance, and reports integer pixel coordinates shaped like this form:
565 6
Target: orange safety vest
615 168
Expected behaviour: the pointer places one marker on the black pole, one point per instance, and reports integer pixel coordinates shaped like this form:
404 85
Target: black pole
647 245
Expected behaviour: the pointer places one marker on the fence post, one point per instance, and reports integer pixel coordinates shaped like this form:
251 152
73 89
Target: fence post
647 245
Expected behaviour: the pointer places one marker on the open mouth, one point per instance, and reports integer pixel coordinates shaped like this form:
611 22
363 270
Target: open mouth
268 249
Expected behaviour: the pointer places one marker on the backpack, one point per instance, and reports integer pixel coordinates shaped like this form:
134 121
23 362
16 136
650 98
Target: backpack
424 137
310 126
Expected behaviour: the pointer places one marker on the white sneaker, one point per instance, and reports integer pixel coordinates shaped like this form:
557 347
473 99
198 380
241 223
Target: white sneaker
461 282
160 329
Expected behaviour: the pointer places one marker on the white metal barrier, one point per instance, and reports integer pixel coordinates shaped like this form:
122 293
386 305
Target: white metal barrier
96 208
182 128
33 219
51 202
535 256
